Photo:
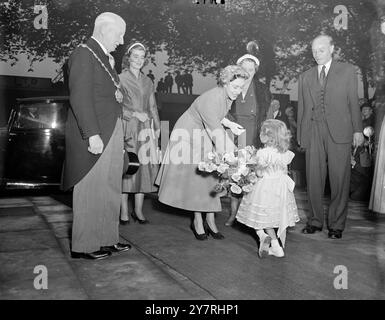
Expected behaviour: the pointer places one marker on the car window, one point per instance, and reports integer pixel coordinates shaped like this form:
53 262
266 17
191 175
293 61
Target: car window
41 115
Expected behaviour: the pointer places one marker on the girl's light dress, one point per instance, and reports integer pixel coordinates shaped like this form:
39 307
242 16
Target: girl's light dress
271 203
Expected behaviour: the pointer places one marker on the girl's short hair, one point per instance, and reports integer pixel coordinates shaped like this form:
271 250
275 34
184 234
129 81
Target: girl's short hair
126 57
274 133
230 73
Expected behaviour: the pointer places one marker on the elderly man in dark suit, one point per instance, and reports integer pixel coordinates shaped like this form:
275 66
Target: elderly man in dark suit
94 142
328 121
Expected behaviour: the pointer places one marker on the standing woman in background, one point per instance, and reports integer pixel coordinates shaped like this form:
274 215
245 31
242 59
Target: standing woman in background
377 33
249 110
377 196
141 130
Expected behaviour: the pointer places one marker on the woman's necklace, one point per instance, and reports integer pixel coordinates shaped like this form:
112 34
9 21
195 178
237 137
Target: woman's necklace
118 92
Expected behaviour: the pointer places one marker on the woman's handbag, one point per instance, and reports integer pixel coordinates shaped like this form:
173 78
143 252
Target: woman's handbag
131 163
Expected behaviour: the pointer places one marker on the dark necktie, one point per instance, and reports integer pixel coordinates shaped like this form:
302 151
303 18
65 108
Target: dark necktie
322 76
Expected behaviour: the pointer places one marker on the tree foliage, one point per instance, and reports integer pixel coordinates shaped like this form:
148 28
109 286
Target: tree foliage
202 36
70 22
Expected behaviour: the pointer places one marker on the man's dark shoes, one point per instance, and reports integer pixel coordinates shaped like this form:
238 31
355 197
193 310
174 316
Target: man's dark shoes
311 229
119 247
335 234
97 255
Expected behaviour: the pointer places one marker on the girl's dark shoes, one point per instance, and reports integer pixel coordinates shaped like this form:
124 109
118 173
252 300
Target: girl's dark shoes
198 236
215 235
136 218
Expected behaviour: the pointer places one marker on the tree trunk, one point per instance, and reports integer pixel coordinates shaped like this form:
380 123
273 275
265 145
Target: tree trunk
365 83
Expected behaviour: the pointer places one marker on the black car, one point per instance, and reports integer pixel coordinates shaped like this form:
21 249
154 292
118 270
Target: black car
33 152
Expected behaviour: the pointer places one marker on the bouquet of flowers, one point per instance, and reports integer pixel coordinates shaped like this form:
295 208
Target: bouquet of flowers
237 171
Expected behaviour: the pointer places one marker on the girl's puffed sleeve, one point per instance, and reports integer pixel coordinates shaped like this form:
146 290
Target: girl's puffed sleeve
288 157
263 158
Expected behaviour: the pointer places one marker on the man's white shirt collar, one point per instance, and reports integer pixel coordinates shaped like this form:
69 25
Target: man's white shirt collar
327 67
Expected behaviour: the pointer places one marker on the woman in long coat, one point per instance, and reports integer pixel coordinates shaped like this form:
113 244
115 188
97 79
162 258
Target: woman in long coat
141 127
197 132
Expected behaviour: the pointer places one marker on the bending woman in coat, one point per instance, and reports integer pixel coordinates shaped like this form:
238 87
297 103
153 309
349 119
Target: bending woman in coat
198 131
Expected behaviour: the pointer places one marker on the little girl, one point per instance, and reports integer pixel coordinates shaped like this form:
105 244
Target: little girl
271 203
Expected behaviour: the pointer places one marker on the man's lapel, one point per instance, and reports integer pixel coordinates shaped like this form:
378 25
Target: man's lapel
314 84
332 77
98 50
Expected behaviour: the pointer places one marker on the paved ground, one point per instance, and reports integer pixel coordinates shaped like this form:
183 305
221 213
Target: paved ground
166 262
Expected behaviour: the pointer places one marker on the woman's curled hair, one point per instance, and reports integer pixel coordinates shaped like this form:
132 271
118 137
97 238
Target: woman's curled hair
231 73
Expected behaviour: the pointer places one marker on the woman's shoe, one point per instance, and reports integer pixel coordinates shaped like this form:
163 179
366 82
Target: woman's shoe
230 221
124 222
136 219
215 235
198 236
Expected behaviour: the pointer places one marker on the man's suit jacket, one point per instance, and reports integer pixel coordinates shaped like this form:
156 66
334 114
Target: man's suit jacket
342 110
280 116
94 110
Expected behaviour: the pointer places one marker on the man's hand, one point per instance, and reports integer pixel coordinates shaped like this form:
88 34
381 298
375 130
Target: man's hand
141 116
358 139
95 144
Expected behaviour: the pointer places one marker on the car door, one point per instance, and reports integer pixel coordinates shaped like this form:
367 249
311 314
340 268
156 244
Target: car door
36 145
